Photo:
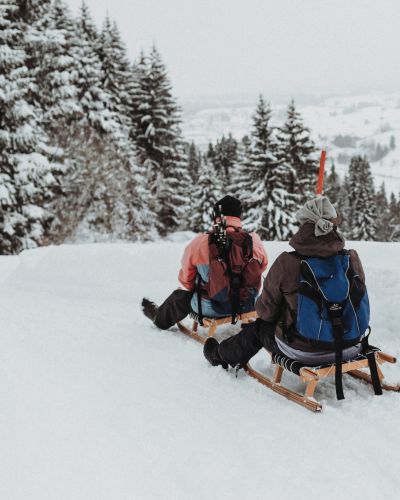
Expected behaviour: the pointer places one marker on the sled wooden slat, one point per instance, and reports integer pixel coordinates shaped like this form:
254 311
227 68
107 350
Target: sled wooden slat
382 357
278 375
328 371
211 325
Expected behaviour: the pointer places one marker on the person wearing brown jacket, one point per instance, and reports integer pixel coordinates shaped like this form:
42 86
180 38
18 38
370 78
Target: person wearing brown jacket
277 305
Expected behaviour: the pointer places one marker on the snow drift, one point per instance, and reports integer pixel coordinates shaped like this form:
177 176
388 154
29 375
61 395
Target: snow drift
98 404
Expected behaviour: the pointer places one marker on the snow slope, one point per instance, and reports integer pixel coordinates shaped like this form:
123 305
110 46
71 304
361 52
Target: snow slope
98 404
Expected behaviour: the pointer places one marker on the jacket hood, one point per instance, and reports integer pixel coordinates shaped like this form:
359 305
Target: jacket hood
306 243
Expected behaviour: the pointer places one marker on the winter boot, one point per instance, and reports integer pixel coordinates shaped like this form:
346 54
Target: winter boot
149 309
211 353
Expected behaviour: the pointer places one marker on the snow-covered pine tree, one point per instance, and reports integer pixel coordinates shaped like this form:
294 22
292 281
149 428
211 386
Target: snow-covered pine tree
35 16
269 207
296 150
394 218
173 191
116 198
236 171
101 186
26 179
119 83
87 24
332 185
224 156
343 207
94 100
31 11
56 72
245 146
362 201
194 161
160 147
206 193
139 98
210 154
382 214
117 77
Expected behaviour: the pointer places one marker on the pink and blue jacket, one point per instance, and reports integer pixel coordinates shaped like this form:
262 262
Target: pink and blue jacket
195 266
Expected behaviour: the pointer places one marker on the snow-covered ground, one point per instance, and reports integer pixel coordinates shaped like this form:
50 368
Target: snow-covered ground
95 403
363 121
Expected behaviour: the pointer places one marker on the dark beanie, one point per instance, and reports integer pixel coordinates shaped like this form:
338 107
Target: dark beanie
229 206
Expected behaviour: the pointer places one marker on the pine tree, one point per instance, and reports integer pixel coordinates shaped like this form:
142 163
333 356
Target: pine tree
210 154
245 145
31 12
206 193
332 185
26 179
343 207
224 156
394 218
56 74
139 102
194 161
238 167
160 147
101 187
117 74
87 25
34 15
382 214
269 208
296 151
94 100
362 200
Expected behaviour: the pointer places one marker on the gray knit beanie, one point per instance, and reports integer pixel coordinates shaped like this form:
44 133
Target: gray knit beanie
318 211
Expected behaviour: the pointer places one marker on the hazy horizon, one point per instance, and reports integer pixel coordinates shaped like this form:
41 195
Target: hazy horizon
277 47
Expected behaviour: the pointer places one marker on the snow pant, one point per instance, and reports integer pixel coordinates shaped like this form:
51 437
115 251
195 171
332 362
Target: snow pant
175 308
238 349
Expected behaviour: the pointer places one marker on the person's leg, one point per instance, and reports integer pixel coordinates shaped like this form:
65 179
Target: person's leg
175 308
238 349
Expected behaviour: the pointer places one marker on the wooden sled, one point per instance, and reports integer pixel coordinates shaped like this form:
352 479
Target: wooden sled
310 375
211 324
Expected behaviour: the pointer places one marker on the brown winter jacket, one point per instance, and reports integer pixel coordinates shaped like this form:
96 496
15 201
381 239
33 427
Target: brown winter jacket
278 301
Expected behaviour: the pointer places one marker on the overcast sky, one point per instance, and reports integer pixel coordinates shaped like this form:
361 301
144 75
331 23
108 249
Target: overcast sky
278 47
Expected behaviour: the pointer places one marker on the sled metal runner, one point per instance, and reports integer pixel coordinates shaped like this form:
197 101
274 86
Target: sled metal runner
310 375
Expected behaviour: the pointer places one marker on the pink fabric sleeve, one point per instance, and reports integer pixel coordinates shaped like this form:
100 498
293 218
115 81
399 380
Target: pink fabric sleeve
192 256
259 252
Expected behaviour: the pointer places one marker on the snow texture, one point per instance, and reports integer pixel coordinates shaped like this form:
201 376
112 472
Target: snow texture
96 403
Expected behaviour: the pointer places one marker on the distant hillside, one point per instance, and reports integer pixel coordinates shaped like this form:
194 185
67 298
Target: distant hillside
347 125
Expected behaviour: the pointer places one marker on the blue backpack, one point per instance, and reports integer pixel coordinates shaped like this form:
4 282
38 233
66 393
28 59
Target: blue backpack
333 307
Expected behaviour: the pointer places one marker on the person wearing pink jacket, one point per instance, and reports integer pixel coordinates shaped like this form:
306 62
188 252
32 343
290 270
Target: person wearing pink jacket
195 273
